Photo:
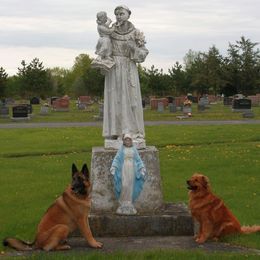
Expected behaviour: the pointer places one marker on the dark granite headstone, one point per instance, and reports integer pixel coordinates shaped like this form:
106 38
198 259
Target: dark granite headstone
143 103
170 99
35 101
241 104
20 111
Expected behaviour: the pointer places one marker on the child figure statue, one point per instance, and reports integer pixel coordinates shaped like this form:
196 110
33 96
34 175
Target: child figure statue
128 172
104 46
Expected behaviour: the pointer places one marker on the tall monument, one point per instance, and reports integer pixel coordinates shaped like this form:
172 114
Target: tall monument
120 47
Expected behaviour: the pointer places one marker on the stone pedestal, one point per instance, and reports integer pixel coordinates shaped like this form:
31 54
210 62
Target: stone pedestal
153 216
103 197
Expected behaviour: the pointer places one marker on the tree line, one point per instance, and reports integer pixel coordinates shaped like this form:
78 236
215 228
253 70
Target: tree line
200 73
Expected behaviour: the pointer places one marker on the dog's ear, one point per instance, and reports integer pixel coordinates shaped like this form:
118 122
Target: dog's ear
85 170
205 181
74 170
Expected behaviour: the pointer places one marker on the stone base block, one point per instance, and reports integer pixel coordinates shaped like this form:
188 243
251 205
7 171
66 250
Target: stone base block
242 110
170 220
103 197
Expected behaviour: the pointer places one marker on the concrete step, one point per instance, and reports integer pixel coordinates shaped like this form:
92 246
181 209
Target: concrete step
171 220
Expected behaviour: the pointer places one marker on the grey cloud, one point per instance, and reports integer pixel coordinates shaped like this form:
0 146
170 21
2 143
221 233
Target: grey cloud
171 27
38 39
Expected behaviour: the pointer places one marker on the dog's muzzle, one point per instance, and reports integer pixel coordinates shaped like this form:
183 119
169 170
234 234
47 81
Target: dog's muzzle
190 187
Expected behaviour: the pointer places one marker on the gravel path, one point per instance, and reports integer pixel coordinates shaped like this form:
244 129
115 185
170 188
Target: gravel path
99 123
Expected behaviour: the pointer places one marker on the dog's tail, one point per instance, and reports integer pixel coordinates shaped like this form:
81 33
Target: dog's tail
18 244
250 229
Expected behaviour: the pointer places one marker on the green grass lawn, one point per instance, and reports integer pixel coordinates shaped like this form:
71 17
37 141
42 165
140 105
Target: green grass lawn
216 112
36 163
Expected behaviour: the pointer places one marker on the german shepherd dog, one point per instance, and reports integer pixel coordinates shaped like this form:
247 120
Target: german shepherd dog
215 219
69 212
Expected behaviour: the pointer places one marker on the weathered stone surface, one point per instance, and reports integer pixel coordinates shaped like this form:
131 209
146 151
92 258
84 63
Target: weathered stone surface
138 244
169 220
103 197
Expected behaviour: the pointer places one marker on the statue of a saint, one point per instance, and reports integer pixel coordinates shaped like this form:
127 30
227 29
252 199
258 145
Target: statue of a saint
129 173
123 112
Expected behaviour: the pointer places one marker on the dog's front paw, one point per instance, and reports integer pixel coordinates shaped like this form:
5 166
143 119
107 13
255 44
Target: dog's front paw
96 244
200 240
196 236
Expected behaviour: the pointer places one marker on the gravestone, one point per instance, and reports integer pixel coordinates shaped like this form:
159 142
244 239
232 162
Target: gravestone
170 99
201 106
9 101
101 111
179 102
160 107
83 102
155 101
61 105
241 105
82 106
255 100
187 110
53 99
30 108
4 111
44 110
20 112
143 103
172 107
35 101
204 101
227 101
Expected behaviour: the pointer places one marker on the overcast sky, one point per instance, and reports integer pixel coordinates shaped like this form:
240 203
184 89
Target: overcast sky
56 31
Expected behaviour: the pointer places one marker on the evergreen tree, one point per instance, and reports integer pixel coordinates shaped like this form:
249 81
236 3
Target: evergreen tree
242 67
3 82
34 79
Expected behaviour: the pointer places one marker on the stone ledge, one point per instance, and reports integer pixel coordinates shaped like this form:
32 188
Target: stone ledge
171 220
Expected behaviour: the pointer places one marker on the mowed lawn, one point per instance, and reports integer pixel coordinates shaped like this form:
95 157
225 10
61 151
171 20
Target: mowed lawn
36 167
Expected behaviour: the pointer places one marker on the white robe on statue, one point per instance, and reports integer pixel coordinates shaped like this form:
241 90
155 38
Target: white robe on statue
123 112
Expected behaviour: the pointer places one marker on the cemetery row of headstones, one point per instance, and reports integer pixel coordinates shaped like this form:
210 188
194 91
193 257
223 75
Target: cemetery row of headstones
242 104
180 103
23 109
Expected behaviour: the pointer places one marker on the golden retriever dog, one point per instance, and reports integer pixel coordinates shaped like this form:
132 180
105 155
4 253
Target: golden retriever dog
214 218
69 212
